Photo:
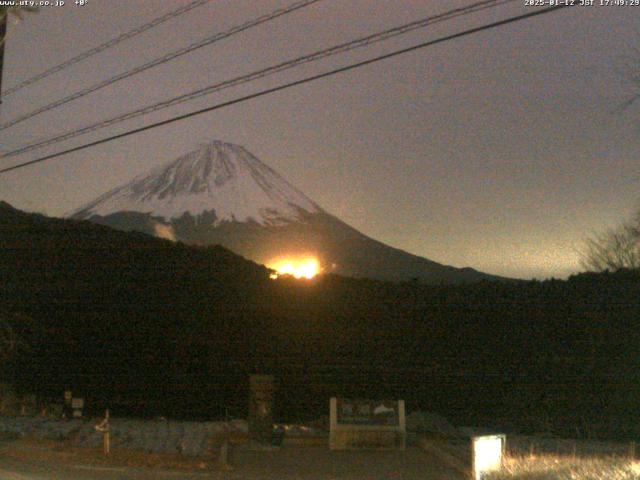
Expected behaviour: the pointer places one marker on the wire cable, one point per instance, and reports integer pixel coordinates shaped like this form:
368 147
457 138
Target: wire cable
292 84
161 60
335 50
104 46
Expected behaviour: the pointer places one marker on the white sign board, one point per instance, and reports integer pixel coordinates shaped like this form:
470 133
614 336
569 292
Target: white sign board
367 424
487 451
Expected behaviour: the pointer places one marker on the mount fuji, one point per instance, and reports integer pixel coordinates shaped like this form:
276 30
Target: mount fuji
222 194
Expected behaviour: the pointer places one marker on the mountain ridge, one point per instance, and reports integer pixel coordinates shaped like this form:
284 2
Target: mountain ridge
226 175
222 194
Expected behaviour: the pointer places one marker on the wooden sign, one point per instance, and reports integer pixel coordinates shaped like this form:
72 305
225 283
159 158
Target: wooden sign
368 412
367 424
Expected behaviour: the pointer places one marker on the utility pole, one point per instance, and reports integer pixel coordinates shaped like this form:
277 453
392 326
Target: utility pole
3 34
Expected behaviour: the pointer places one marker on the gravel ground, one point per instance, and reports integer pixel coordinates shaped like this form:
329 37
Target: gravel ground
48 449
320 463
21 460
192 439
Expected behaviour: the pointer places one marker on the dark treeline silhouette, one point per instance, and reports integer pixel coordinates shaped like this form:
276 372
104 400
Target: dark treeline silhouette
149 327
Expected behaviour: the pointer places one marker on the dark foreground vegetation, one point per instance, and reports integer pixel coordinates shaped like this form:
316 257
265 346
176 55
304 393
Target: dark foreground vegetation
149 327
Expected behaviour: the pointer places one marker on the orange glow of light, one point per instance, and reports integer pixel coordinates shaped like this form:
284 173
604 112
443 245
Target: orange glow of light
302 268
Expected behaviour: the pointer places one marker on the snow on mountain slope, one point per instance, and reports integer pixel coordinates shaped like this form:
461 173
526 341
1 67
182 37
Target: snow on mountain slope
220 194
219 177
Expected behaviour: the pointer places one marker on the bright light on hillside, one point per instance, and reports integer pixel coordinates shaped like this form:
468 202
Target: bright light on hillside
298 268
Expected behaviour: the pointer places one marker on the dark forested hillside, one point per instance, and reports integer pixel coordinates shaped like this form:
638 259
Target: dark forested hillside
151 327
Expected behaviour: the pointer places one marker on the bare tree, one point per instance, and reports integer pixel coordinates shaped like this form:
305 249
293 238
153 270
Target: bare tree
614 249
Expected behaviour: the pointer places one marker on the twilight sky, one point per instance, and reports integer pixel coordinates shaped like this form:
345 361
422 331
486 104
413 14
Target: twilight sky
500 151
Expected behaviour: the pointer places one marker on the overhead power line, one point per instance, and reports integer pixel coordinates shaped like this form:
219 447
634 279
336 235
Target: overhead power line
104 46
160 60
293 84
318 55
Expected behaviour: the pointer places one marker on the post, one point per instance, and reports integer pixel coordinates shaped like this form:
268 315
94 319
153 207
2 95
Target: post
103 427
224 454
632 450
67 410
3 34
333 423
223 461
261 389
106 441
403 423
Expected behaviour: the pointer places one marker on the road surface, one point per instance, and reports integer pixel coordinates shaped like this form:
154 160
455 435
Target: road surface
21 461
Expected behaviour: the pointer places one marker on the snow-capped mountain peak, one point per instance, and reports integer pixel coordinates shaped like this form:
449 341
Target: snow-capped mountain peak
218 177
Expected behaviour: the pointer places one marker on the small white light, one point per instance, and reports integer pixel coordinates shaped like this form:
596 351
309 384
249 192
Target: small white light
487 454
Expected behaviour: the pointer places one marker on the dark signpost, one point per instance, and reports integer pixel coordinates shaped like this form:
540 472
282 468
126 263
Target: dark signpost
3 33
261 389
